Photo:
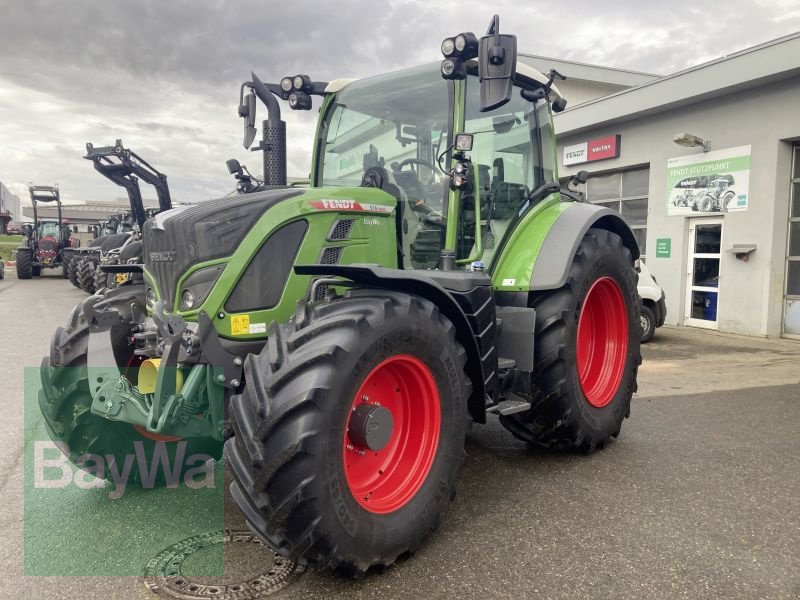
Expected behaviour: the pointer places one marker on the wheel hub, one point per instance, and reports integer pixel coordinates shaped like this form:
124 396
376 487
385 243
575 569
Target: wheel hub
370 427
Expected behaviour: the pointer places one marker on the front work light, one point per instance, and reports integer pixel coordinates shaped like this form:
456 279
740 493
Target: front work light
463 142
454 68
448 46
466 44
299 101
286 84
301 83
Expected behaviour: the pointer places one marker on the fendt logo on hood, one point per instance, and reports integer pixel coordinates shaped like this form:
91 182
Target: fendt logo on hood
336 204
348 204
164 256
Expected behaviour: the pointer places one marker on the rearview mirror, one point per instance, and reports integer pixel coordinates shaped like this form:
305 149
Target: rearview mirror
247 110
233 166
497 63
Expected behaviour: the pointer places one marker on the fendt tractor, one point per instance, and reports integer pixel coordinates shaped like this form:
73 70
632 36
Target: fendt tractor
339 339
125 168
45 241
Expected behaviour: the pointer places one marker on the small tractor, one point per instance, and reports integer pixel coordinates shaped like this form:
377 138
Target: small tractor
45 241
338 339
125 168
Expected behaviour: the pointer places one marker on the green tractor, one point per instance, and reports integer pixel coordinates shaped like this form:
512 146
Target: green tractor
340 338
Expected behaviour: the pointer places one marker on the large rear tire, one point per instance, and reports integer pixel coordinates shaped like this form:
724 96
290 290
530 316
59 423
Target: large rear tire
587 351
24 260
86 269
306 482
65 402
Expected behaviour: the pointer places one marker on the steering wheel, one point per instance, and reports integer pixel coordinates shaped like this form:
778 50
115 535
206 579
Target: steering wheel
417 161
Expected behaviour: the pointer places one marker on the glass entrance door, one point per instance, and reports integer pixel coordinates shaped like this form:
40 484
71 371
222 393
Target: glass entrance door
703 272
791 309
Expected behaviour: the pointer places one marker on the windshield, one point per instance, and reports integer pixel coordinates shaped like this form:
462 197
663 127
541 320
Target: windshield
395 125
48 228
397 122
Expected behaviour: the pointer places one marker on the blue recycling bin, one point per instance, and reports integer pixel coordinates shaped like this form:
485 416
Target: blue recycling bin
710 306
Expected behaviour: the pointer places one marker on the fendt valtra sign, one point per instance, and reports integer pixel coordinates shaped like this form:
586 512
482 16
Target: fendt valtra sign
592 150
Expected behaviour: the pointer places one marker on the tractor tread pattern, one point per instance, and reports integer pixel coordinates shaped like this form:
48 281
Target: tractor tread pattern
553 421
273 466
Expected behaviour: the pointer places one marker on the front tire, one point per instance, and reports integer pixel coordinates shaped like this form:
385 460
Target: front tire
24 260
306 482
586 351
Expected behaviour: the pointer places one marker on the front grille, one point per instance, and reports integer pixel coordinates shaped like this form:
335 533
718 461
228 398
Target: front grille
341 229
47 244
177 239
331 256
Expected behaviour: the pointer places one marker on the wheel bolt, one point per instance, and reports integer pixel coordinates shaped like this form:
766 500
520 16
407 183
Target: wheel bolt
349 447
365 398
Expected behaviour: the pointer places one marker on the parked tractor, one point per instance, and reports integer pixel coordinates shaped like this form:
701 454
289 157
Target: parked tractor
123 245
339 338
45 241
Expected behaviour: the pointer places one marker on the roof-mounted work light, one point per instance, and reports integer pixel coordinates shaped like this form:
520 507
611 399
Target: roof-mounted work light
457 50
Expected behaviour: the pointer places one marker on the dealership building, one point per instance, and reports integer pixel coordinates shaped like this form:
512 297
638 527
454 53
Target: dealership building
705 166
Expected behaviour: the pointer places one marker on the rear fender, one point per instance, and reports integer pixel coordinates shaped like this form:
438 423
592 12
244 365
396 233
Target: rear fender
539 253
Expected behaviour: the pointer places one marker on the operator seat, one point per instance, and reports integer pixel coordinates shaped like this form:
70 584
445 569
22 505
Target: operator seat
407 222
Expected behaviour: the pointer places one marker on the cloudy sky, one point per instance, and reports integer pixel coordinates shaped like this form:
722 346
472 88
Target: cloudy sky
164 75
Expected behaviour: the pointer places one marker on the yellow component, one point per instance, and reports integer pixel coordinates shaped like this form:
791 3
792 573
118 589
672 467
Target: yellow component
148 373
240 324
122 277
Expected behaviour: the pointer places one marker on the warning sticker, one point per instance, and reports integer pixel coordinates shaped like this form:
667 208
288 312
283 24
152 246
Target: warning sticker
240 324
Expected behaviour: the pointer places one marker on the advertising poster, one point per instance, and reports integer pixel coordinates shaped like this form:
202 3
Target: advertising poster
711 182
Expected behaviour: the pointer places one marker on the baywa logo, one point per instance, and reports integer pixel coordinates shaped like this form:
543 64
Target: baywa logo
53 470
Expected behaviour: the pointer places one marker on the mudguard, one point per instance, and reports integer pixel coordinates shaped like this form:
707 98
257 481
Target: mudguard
459 296
561 242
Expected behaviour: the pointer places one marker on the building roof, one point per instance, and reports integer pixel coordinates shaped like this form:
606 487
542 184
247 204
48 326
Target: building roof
586 71
769 62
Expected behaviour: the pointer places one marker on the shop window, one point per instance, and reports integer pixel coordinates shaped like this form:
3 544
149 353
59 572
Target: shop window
627 193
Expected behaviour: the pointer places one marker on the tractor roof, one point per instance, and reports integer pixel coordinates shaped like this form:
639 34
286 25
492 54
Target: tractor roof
524 70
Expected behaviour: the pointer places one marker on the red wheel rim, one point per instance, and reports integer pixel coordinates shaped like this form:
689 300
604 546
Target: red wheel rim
386 480
602 345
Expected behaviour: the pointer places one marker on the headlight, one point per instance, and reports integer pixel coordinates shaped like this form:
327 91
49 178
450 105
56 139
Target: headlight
197 286
187 299
286 84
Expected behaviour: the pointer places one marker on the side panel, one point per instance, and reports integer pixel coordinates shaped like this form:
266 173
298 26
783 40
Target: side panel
539 252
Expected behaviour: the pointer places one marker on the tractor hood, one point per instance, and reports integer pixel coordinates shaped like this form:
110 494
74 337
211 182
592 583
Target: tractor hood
179 238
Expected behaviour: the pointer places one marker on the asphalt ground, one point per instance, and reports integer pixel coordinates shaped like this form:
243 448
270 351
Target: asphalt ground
698 498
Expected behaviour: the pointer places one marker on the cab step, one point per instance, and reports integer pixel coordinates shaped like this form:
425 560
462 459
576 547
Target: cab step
509 406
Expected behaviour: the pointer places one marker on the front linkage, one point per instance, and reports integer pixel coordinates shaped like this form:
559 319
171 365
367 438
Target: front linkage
159 395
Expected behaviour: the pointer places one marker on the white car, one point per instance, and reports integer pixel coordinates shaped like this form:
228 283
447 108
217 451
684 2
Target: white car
653 306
